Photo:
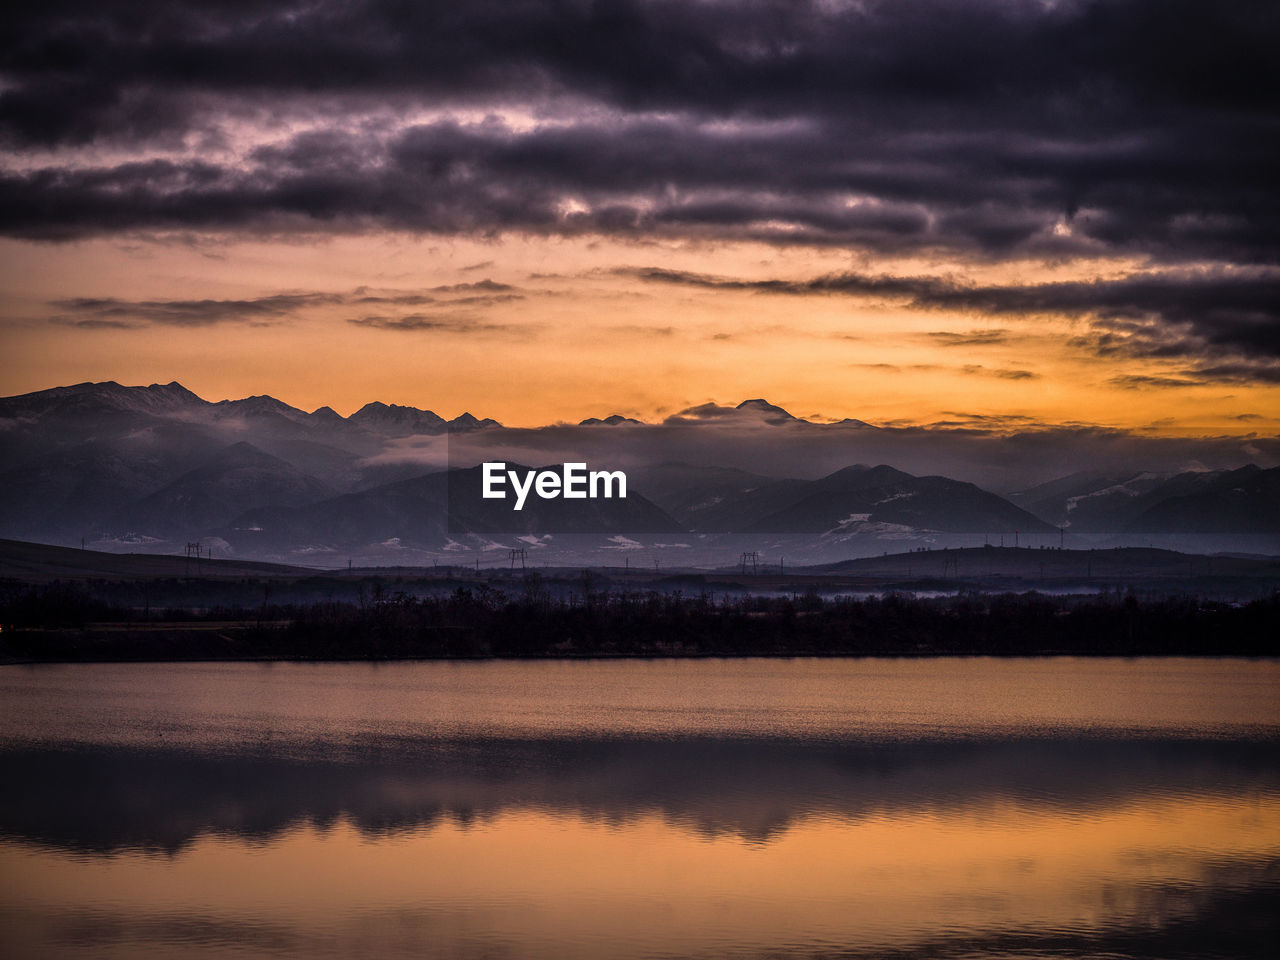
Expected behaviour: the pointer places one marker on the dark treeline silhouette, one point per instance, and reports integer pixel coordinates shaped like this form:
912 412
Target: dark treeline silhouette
62 621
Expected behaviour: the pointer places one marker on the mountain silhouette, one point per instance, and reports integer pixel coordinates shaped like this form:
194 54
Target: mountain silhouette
158 465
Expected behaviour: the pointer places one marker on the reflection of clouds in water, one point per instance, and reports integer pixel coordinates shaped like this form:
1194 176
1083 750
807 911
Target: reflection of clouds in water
752 789
886 808
1143 876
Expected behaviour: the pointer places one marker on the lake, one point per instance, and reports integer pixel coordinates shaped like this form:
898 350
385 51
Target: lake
637 809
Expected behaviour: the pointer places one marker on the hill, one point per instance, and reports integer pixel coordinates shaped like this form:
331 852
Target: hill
42 563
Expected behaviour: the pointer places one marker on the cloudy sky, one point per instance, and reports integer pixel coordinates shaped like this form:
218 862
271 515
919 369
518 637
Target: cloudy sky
909 212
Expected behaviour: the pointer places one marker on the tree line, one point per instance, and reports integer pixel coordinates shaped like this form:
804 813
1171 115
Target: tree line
69 622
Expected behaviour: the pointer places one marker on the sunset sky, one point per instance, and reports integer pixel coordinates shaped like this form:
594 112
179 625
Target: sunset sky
1003 214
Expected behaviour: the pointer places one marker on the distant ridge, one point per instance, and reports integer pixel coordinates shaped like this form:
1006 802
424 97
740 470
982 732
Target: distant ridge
376 415
613 420
860 498
160 398
42 563
1246 500
151 468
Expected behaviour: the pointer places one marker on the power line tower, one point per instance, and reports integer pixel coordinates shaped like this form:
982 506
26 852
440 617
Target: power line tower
518 555
752 557
193 550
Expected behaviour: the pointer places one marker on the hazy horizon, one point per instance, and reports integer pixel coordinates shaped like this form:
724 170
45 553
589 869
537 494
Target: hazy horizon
754 435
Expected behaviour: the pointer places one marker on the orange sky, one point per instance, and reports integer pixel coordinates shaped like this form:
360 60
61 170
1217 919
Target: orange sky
999 211
572 337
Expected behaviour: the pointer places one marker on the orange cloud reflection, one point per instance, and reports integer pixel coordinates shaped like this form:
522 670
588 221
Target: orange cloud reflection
541 884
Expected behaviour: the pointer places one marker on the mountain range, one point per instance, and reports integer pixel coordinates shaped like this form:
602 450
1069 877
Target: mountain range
1227 501
153 468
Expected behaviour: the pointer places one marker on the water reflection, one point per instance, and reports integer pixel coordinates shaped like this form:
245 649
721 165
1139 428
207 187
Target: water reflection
110 799
1156 875
264 820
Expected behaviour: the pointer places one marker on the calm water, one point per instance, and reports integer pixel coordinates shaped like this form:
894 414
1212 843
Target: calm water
832 808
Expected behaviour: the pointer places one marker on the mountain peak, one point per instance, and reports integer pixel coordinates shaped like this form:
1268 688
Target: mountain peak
759 403
377 408
466 421
395 418
771 412
612 420
149 399
262 405
327 414
173 392
865 475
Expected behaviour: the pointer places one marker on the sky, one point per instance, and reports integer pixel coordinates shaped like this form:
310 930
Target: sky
996 216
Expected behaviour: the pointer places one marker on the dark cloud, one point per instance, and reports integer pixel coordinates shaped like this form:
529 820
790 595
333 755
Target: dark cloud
111 312
982 127
978 370
1149 311
396 299
891 367
486 285
1194 314
1241 371
762 59
440 323
95 324
1019 419
487 301
483 292
1229 307
1142 381
974 338
895 367
919 289
644 330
